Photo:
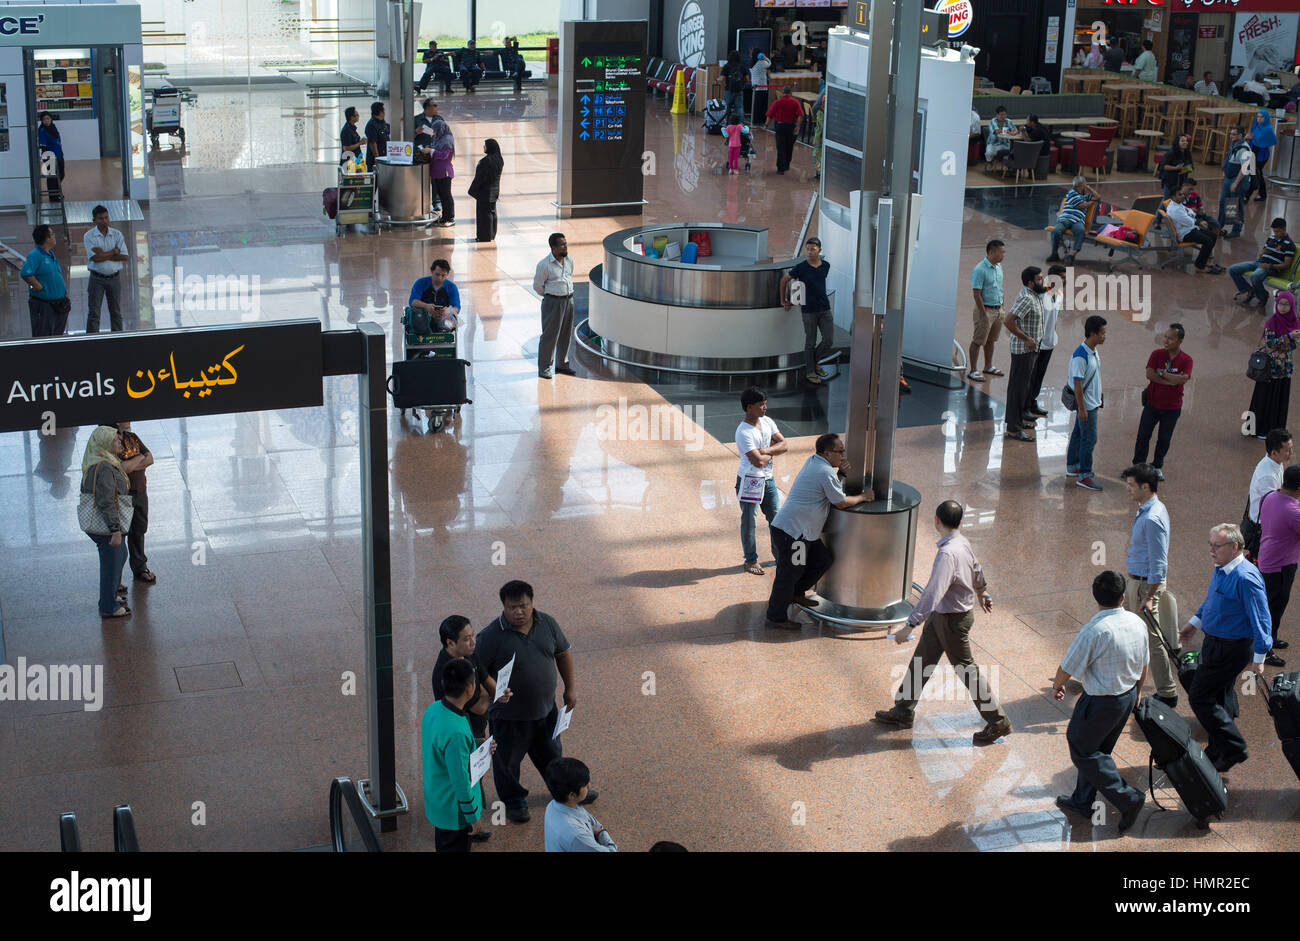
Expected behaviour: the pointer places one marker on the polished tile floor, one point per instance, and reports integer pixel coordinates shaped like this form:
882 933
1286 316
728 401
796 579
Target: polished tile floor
226 706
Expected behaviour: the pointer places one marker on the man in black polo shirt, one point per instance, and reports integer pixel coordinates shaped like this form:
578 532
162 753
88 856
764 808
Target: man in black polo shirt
811 273
525 724
1037 130
457 638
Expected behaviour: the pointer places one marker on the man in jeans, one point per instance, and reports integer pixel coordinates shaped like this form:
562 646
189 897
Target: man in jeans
801 556
1274 262
1072 218
810 274
1025 324
105 252
1168 370
947 608
1238 175
986 285
1085 375
758 442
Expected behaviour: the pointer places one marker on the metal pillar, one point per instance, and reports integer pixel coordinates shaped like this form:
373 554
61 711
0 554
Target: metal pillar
383 796
401 70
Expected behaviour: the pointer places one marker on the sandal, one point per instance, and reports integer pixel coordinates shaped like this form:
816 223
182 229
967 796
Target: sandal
146 576
1215 269
753 568
121 612
993 371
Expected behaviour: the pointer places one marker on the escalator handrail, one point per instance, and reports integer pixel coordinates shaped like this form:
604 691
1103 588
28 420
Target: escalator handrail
343 794
69 837
124 839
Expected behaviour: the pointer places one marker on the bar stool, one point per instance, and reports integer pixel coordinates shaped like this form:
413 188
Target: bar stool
1126 111
1112 102
1172 121
1201 126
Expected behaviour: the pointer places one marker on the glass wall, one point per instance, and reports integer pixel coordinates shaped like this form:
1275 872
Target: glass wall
531 23
447 21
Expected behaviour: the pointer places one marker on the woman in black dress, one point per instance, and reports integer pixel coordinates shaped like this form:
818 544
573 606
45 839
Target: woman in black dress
485 188
1176 165
1272 395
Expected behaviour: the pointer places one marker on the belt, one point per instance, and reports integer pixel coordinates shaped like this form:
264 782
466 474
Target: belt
98 274
560 296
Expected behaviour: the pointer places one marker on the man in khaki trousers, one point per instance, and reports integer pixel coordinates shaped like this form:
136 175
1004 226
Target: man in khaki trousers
1147 596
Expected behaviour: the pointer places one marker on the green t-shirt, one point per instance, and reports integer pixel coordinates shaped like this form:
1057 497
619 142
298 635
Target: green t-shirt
450 803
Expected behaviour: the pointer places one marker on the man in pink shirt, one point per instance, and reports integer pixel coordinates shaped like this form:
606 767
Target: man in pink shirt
1279 551
947 608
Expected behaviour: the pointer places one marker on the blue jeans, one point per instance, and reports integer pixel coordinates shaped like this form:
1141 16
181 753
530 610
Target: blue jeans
749 517
1068 225
1243 190
111 561
734 102
1078 456
1249 276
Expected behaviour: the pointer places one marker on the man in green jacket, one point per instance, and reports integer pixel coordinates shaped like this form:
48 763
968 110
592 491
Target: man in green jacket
451 803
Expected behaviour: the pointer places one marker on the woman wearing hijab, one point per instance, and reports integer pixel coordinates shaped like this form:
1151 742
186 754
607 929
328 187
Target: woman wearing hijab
47 138
1176 165
441 170
104 481
1262 140
1281 334
485 188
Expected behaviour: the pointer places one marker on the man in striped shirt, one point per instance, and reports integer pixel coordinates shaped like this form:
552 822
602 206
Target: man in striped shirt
1274 262
1073 218
947 608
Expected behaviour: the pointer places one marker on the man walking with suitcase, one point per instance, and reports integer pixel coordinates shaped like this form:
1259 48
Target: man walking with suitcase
1109 658
1148 563
1238 635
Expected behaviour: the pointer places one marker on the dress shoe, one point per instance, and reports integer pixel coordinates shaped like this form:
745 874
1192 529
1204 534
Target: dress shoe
481 837
545 375
1170 701
991 733
1280 645
1035 410
1130 816
893 717
518 814
565 370
1066 804
784 625
1273 660
590 798
1222 765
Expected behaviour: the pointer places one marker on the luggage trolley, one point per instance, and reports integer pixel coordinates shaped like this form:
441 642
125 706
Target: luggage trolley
356 199
165 115
432 376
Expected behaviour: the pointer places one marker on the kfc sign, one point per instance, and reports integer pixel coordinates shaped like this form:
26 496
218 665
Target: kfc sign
960 15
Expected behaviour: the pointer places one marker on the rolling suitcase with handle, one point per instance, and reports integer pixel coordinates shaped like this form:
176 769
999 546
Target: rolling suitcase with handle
1283 700
1175 753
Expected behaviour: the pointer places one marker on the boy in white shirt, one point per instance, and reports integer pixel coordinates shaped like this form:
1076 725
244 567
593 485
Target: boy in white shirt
1052 302
758 442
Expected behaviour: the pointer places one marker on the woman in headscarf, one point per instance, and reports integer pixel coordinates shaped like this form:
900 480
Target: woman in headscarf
1262 140
441 170
1272 395
103 479
48 138
485 188
1176 165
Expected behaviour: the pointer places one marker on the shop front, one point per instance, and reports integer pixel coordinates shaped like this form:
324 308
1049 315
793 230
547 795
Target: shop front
81 64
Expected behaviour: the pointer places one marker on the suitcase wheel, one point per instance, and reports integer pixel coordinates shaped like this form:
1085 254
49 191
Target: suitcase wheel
1203 823
436 421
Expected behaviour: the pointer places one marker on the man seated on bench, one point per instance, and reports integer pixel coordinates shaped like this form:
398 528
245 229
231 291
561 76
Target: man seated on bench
470 66
513 62
436 66
1188 228
1274 262
1073 218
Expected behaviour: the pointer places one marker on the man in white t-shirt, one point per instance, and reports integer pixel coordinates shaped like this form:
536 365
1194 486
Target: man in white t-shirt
1051 311
758 442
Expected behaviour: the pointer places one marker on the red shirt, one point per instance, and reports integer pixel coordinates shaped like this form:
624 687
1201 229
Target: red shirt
786 108
1167 397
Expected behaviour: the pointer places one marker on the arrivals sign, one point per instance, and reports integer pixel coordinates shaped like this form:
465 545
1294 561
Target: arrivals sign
117 377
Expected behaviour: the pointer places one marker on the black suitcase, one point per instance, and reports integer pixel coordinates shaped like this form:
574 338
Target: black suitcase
1284 706
1174 752
428 381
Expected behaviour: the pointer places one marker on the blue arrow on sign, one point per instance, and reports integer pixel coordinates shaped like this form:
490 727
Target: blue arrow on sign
586 111
583 136
582 124
584 100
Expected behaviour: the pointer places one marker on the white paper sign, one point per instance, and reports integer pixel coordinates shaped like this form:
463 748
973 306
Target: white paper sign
562 721
480 759
401 152
752 488
503 679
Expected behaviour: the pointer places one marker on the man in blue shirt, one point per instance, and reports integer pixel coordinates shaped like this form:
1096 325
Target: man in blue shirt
801 556
986 285
811 274
1085 376
568 827
47 303
1238 634
1148 566
436 293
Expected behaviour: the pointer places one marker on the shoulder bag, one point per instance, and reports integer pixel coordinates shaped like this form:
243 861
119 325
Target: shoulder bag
91 519
1257 367
1067 392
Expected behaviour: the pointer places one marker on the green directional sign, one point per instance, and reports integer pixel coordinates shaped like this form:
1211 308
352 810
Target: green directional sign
586 61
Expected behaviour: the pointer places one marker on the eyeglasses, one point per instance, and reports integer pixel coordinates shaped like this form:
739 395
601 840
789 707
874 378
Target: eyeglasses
1216 546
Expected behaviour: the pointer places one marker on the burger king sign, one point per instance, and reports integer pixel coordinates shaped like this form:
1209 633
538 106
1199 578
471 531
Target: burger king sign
960 13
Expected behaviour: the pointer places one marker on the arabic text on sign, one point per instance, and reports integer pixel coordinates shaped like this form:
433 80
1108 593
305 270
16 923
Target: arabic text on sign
206 380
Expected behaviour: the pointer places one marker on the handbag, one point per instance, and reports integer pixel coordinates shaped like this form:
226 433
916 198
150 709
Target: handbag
91 519
1257 366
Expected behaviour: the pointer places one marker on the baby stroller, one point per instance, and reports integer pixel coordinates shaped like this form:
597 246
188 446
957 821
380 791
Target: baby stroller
747 151
715 113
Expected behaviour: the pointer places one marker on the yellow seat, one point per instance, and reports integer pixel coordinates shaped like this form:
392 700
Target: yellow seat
1140 222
